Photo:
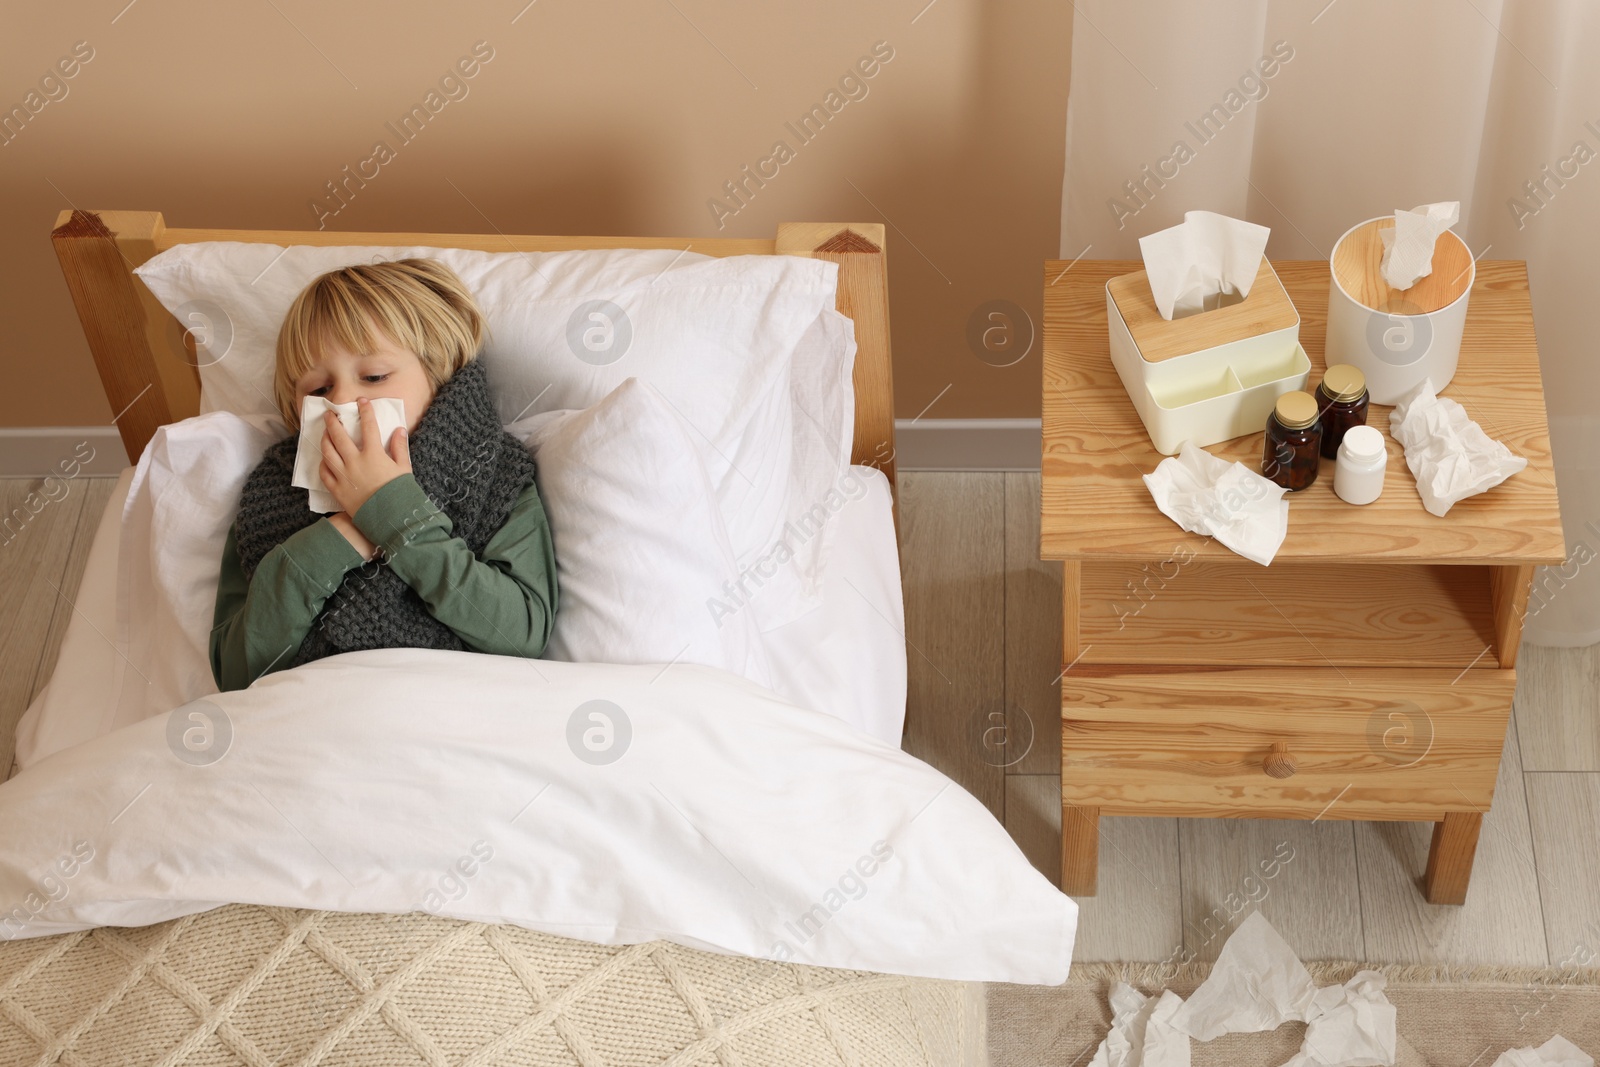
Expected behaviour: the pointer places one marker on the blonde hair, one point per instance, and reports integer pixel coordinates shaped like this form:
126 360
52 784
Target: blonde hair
421 304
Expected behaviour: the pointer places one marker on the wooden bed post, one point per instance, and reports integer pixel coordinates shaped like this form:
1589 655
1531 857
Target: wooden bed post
98 251
864 296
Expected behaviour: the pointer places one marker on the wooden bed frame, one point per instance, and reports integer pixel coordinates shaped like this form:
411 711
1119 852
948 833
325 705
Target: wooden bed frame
151 380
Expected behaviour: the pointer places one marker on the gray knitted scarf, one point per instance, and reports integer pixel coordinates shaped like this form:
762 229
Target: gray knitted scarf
471 469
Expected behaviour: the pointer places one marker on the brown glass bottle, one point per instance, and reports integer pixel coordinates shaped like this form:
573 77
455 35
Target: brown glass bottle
1342 401
1290 452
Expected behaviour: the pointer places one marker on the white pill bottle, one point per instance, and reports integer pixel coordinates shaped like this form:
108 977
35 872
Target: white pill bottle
1358 473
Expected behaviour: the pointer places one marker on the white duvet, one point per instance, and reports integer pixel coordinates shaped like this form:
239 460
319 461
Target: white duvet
613 804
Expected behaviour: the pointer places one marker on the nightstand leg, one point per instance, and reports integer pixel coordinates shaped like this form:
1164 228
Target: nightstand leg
1080 850
1455 840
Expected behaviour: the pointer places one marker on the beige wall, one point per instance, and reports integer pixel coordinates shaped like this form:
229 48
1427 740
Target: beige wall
602 118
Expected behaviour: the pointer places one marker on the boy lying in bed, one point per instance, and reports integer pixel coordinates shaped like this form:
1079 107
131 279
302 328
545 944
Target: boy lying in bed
441 540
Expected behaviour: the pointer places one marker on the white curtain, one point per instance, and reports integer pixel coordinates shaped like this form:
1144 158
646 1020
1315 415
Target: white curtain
1346 110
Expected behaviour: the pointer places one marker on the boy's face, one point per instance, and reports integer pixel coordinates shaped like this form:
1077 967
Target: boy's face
386 371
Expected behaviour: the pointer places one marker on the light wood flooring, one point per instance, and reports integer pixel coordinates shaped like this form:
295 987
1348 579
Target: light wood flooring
983 620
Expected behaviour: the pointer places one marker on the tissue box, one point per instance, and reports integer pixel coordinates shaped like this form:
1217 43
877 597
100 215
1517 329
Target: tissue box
1397 337
1209 376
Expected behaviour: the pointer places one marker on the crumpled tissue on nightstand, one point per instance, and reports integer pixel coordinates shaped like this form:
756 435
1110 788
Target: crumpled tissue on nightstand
1449 455
1208 495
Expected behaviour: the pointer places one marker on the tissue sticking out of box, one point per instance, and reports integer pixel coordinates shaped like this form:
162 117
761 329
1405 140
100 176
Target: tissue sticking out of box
1449 455
1195 265
1408 246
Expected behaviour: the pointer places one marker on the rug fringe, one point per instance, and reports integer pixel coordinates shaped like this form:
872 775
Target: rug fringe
1151 977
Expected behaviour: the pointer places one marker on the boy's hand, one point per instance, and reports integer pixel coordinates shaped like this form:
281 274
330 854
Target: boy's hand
353 474
358 540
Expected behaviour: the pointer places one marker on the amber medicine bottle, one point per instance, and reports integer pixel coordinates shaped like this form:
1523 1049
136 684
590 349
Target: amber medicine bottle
1342 401
1291 450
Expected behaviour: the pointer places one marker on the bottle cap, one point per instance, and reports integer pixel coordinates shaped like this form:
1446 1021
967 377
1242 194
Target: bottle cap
1344 382
1296 410
1363 443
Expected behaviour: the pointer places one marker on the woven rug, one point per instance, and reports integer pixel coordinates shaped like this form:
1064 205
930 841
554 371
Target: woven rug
1459 1016
269 987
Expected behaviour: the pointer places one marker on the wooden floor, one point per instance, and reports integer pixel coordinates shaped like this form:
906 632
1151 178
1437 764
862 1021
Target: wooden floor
983 620
41 561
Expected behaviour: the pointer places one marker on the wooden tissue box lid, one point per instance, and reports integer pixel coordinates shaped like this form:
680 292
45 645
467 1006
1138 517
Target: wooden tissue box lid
1266 309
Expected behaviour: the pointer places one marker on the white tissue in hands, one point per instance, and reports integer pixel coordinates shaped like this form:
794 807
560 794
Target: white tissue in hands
390 414
1227 501
1449 455
1204 257
1408 247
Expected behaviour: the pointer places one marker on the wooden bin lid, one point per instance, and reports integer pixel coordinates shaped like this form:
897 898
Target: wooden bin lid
1266 309
1358 265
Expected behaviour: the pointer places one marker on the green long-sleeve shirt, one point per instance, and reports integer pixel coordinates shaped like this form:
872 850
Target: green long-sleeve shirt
503 603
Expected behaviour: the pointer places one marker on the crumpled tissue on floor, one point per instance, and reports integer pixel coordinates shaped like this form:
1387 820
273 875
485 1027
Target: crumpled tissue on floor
1258 984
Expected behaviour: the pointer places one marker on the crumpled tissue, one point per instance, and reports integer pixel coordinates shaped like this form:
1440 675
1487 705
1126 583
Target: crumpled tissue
1408 247
1352 1024
1142 1034
1192 265
391 413
1208 495
1256 984
1557 1052
1449 455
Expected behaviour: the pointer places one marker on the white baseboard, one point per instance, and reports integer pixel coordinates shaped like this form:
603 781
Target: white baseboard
40 451
967 444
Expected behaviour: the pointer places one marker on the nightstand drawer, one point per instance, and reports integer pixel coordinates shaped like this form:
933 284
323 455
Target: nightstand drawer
1353 742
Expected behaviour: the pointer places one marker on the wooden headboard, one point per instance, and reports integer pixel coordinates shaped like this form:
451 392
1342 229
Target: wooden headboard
151 379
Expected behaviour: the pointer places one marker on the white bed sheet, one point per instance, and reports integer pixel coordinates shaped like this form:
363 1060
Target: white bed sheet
613 804
847 658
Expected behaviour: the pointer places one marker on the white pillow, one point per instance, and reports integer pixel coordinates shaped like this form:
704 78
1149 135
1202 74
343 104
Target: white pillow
790 569
786 574
641 549
718 336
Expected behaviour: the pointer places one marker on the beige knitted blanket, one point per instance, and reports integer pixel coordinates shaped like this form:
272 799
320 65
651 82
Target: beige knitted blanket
268 987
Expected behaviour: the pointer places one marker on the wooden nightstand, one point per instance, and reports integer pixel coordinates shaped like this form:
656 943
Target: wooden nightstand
1366 674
